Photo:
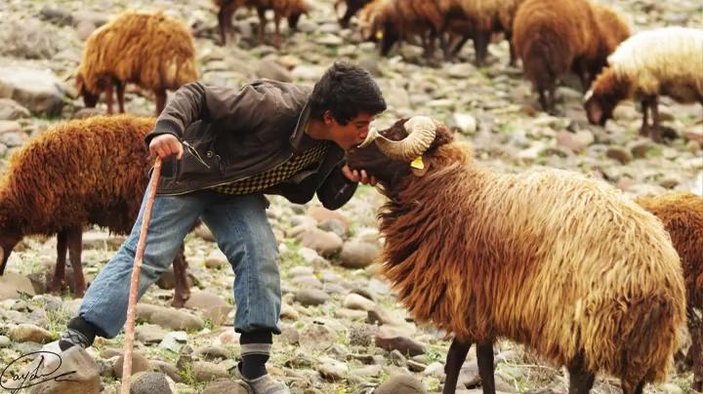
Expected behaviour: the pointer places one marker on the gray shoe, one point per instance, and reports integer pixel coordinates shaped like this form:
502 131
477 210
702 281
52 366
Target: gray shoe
261 385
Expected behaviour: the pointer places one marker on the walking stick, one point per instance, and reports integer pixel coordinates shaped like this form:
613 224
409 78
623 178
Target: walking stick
134 286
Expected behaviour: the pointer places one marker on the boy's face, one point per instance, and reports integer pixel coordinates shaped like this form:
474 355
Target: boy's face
351 134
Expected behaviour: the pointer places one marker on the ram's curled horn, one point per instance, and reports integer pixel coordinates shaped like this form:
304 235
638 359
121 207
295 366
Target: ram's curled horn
421 132
370 137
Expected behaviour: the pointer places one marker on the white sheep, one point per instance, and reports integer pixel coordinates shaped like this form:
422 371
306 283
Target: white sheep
666 61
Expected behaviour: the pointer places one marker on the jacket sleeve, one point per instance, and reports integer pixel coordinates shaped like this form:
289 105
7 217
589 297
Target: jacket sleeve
195 101
336 190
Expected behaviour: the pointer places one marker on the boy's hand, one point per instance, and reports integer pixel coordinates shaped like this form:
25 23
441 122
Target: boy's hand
358 176
165 145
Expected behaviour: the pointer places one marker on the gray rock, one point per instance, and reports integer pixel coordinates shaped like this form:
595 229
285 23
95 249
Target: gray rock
139 364
38 90
620 154
74 363
401 343
12 285
317 337
150 383
29 333
323 242
10 110
204 371
225 386
356 301
401 383
149 333
311 297
269 68
356 254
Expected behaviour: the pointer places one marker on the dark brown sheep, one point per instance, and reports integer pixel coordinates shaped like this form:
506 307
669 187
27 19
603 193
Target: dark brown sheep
291 10
488 255
552 38
75 174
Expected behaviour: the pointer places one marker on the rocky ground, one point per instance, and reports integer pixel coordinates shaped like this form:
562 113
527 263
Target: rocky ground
343 331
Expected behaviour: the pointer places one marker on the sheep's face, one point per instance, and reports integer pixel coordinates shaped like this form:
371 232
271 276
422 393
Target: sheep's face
90 100
605 94
390 171
597 109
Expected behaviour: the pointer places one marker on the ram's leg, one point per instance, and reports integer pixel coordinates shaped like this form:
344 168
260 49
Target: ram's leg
75 248
120 95
484 353
580 380
160 100
632 387
108 97
455 359
655 131
180 273
60 269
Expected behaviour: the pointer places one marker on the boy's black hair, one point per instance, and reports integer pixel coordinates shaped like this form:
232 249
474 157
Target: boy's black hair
346 90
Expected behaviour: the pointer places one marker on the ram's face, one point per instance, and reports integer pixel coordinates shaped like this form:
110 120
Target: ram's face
375 162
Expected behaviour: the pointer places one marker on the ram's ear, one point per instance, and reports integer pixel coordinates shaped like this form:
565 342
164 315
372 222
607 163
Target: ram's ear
419 166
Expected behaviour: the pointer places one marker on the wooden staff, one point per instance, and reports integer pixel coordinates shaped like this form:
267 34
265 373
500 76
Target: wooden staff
134 287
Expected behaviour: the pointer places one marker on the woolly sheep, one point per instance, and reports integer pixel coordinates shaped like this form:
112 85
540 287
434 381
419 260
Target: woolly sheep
552 38
93 171
151 50
292 10
564 264
666 61
682 215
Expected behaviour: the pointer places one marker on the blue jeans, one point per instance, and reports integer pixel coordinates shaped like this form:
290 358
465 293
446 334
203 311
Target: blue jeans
243 233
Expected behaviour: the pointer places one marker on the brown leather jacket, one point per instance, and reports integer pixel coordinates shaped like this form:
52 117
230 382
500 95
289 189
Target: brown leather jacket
229 135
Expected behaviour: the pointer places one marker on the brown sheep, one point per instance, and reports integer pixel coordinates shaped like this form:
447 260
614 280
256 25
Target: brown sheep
552 38
291 10
151 50
93 171
682 215
394 21
352 7
562 263
483 18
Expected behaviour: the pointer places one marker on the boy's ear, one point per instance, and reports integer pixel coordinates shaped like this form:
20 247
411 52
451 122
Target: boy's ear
328 118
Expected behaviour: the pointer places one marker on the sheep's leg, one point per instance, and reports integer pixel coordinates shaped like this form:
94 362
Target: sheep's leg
645 118
580 380
481 40
180 266
60 269
160 100
696 350
631 388
75 248
511 45
655 131
120 95
108 97
262 23
277 28
484 353
455 359
224 21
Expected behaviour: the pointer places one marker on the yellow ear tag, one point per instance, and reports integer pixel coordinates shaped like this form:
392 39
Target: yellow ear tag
379 35
418 164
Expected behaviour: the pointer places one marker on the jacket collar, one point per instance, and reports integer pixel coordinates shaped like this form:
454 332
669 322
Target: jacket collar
296 139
